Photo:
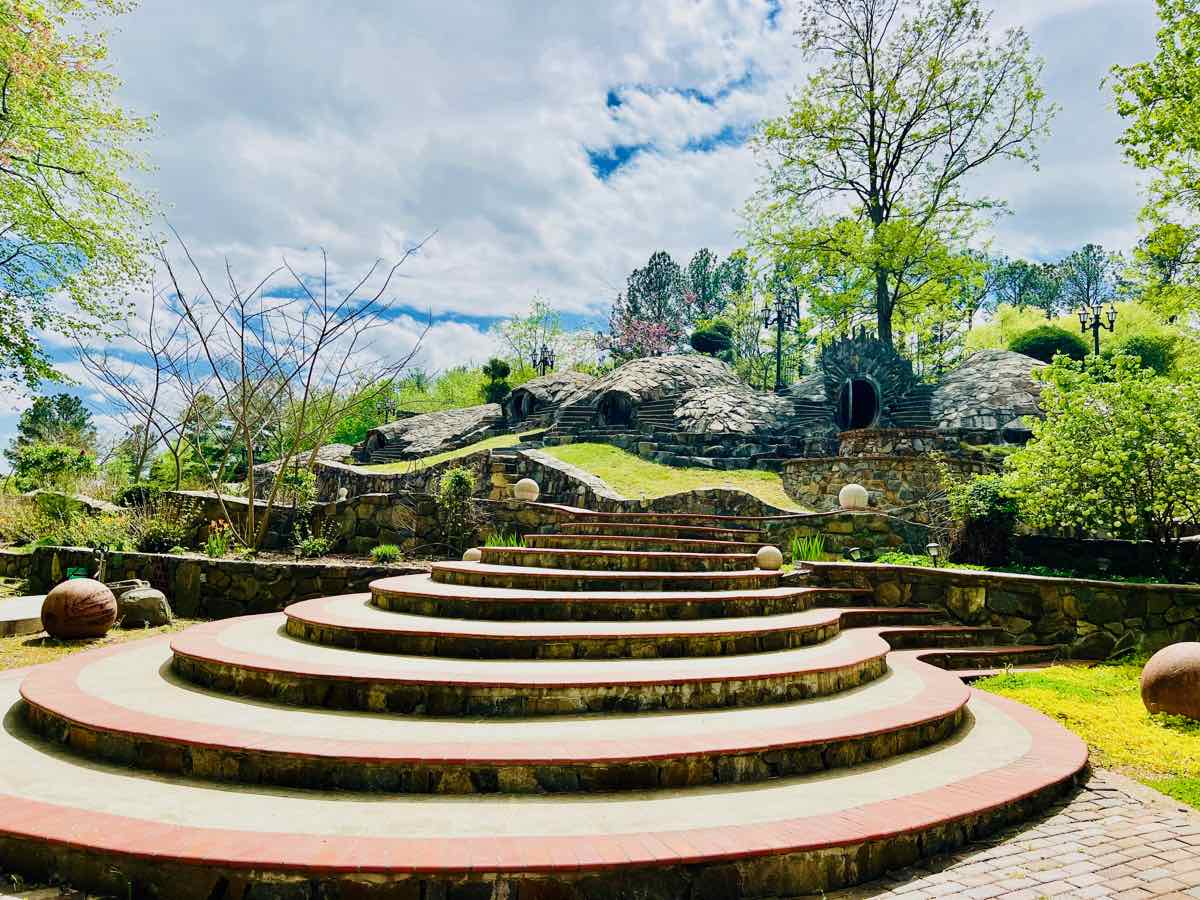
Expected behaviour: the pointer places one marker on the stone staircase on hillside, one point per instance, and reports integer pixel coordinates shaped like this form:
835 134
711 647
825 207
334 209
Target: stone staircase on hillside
628 707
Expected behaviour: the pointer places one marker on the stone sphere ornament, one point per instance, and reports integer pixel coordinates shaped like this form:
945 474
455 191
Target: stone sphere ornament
1171 680
473 555
526 489
769 558
853 496
79 608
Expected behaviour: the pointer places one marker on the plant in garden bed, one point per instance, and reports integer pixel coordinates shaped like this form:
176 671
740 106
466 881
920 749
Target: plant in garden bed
220 539
808 549
386 553
455 510
503 539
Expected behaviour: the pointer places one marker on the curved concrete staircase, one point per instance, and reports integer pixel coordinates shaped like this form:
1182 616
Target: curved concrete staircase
626 709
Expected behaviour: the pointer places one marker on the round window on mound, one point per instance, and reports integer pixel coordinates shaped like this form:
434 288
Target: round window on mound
616 409
858 404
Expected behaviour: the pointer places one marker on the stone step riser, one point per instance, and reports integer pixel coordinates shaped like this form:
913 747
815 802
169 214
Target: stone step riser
539 579
677 532
652 544
444 699
633 609
615 561
704 520
190 876
257 766
939 639
959 659
625 647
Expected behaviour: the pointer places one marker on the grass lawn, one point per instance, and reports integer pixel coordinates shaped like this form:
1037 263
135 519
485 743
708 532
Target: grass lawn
1103 705
629 474
415 465
31 649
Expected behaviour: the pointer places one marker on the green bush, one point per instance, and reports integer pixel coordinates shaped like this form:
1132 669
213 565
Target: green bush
386 553
984 515
455 489
135 495
714 338
312 547
1155 352
1045 341
56 467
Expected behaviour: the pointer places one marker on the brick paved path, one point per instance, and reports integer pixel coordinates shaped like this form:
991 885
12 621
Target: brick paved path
1114 839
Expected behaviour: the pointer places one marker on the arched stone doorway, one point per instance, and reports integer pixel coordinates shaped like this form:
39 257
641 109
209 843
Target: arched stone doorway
616 409
857 404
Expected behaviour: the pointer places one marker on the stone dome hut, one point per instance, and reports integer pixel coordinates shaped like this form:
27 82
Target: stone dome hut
541 397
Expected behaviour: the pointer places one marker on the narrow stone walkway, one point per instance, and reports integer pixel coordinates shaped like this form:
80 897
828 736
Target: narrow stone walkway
1114 839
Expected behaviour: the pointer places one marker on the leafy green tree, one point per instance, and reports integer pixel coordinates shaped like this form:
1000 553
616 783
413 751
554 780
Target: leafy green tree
1089 276
1047 341
714 338
72 224
496 372
57 467
705 285
1155 352
58 419
1160 101
1024 285
909 97
1118 453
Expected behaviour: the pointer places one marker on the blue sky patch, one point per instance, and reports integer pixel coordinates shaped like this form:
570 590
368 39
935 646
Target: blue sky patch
605 162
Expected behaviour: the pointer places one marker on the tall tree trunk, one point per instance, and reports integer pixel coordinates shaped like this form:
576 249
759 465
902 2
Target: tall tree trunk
883 306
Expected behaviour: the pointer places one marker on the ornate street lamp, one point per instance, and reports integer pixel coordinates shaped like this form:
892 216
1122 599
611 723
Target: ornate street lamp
545 360
1093 317
782 316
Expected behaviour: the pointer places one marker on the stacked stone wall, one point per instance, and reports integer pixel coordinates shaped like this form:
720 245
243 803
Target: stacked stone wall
893 482
1091 619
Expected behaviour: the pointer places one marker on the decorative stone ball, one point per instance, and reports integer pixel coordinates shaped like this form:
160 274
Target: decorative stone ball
526 489
769 558
853 496
473 555
79 608
1171 680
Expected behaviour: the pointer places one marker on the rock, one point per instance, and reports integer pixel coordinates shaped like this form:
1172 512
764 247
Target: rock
143 607
79 608
769 558
1171 681
853 496
527 490
966 603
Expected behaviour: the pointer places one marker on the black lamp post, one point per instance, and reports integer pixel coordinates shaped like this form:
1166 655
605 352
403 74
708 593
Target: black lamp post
1093 317
781 317
545 360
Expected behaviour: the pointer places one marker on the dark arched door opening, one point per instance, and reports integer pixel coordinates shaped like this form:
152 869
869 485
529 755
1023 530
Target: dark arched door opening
858 404
616 409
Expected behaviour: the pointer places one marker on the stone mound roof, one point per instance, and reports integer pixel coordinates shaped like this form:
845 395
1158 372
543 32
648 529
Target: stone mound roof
556 387
434 432
987 392
810 387
656 377
736 408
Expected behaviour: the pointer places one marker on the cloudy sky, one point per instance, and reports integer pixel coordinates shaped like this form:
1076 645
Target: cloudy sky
551 146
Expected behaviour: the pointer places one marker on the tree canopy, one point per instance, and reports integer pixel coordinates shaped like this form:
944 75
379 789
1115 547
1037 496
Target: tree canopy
909 97
71 223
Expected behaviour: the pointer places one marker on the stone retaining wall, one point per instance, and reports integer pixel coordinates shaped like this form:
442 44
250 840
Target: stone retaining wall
892 481
332 477
198 587
1093 619
15 564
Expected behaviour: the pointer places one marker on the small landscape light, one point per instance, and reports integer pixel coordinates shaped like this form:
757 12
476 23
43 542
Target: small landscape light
856 553
934 550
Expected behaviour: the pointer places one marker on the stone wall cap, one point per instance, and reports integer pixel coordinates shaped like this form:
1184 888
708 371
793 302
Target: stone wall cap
1010 576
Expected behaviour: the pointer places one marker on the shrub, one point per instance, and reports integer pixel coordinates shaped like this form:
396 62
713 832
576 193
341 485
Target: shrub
1118 453
52 467
983 515
220 539
497 388
1155 352
166 521
297 487
714 339
140 494
455 511
1046 341
386 553
106 532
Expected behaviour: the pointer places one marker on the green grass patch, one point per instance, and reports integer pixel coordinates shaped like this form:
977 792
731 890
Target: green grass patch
897 558
634 477
1103 705
416 465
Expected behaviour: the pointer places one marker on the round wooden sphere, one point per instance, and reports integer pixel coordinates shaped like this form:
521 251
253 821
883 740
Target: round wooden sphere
769 558
473 555
526 489
853 496
79 608
1171 680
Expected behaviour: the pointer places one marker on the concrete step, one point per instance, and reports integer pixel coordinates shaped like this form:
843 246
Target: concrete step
422 595
681 519
614 561
531 578
638 529
993 658
251 657
118 706
116 831
631 542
